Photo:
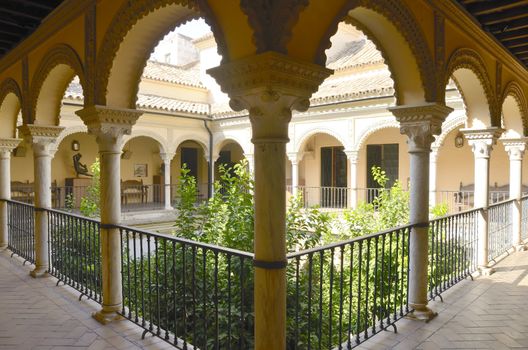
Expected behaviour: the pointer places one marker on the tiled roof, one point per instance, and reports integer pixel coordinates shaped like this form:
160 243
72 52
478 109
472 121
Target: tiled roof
144 101
355 54
187 75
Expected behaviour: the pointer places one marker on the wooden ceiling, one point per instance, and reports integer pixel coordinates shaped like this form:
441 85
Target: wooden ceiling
506 20
20 18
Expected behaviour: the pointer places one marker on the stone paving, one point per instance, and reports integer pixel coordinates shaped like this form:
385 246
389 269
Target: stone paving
489 313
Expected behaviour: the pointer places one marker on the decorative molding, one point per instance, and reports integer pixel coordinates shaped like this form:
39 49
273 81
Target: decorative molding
160 140
90 37
27 115
223 139
385 124
303 138
272 22
465 58
202 141
498 78
352 156
516 91
515 148
70 131
42 137
403 20
482 140
60 54
447 127
10 86
439 53
8 144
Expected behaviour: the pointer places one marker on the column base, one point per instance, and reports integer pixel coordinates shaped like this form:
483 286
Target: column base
421 313
3 246
39 271
486 271
105 317
169 208
518 248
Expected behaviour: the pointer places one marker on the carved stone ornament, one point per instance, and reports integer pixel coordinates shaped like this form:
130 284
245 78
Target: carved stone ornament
108 124
7 146
515 147
352 156
420 123
482 140
42 137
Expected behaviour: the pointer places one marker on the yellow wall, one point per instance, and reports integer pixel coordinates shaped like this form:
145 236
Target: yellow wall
144 151
62 163
202 179
22 167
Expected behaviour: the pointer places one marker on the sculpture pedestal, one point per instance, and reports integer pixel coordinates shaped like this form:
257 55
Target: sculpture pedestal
76 187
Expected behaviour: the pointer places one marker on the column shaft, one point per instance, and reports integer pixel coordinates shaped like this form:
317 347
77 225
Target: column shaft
167 181
5 193
295 177
432 177
515 149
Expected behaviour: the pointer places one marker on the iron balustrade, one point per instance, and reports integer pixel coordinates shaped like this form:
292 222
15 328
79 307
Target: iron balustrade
74 252
499 228
453 243
341 294
21 230
190 294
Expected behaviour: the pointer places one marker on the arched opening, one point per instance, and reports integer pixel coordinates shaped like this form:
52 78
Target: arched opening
193 154
229 154
10 104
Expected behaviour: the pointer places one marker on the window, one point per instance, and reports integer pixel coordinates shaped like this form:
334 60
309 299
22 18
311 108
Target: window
386 157
333 177
189 156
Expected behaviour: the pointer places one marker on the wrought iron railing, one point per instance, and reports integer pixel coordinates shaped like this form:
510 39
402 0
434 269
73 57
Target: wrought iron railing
74 252
191 294
499 229
341 294
453 243
21 230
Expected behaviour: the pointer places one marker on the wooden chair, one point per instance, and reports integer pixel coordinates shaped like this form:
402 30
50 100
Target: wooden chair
23 191
133 191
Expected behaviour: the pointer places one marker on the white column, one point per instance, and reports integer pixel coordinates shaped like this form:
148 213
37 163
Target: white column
167 159
515 149
250 157
294 159
481 142
270 86
6 147
110 125
352 157
432 175
420 124
42 139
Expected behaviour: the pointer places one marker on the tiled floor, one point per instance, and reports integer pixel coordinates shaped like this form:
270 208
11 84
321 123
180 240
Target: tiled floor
489 313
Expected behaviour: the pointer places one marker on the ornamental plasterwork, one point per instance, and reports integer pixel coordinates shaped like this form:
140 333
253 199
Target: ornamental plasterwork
465 58
482 140
61 54
8 144
514 89
404 21
448 126
515 147
42 138
10 86
127 17
70 131
373 128
301 140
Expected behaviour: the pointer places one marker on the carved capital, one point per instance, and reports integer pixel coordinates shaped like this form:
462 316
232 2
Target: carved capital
420 123
295 157
7 146
482 140
42 137
167 157
515 148
352 156
108 124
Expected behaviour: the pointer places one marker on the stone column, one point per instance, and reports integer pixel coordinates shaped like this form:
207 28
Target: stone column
481 142
432 175
167 159
211 169
515 149
251 163
42 138
420 124
352 157
270 86
294 159
109 126
6 146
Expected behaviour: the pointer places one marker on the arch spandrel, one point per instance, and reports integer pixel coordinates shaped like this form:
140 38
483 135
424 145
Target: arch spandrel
53 75
10 104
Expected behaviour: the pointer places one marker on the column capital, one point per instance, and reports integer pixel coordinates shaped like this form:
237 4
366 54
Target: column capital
420 123
515 147
295 157
109 124
352 156
7 145
482 140
41 137
269 85
167 157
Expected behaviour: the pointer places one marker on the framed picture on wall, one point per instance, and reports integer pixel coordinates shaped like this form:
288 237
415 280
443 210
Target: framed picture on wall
140 170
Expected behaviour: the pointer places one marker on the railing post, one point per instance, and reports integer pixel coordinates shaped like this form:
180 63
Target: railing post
515 149
482 142
420 124
352 157
6 146
270 86
110 125
167 159
42 138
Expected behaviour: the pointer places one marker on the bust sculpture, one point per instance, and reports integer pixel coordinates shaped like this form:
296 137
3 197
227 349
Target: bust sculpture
80 168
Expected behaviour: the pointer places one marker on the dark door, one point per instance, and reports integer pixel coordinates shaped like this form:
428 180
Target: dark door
386 157
333 177
189 157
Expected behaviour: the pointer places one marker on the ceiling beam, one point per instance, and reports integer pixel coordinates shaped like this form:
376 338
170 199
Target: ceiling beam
483 8
509 26
512 35
515 43
37 4
504 16
21 14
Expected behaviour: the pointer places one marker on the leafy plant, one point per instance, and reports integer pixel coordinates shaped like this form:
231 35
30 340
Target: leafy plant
90 203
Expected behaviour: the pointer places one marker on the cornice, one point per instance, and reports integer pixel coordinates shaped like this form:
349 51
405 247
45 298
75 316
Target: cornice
516 142
482 134
108 115
40 131
433 112
9 144
457 15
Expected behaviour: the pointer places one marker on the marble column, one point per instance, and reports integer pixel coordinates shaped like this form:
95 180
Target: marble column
270 86
6 147
481 142
167 159
433 158
110 125
352 157
42 138
294 159
515 149
420 124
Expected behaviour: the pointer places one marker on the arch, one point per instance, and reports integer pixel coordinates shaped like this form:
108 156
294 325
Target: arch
203 142
70 131
471 77
397 34
160 140
387 124
135 30
221 141
514 112
447 127
301 141
53 75
10 104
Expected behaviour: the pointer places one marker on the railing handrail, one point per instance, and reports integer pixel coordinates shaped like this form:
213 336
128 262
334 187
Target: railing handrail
77 216
467 211
506 201
18 202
